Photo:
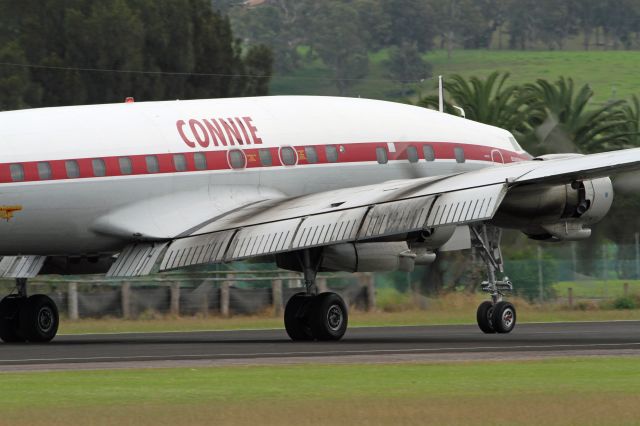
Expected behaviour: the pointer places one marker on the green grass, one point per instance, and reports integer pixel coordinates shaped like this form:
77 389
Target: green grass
610 73
597 288
561 391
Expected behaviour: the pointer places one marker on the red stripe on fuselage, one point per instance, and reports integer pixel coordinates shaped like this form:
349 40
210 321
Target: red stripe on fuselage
217 160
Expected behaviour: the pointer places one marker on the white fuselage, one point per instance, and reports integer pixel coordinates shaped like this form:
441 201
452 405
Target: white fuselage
119 195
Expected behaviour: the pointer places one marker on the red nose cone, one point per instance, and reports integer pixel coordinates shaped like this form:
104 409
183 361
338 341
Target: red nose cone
129 100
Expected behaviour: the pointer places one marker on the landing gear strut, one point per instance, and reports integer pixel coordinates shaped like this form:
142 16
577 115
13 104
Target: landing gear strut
27 319
312 316
495 316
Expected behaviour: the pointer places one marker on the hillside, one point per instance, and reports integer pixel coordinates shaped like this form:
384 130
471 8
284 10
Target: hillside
612 74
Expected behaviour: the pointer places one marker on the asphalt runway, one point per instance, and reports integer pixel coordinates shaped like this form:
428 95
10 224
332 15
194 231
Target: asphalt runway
368 344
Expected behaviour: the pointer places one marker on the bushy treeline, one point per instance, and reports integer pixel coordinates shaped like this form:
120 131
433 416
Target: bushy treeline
186 49
343 32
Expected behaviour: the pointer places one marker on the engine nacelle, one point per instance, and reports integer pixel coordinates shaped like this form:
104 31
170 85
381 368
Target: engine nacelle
556 212
368 257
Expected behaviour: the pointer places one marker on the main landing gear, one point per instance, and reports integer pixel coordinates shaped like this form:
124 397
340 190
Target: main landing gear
312 316
27 319
495 316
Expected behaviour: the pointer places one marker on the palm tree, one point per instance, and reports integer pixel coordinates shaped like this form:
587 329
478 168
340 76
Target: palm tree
563 120
490 101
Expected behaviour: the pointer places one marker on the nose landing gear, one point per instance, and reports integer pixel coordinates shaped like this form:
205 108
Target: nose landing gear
495 316
27 319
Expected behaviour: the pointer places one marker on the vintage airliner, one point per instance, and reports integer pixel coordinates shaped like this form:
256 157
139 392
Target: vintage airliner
318 183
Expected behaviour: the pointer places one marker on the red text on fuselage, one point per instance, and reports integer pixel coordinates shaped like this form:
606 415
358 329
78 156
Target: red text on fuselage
218 132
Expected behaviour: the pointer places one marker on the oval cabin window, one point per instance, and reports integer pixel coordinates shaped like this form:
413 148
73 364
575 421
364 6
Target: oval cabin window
44 170
237 159
429 153
125 165
381 155
99 168
17 172
72 168
288 156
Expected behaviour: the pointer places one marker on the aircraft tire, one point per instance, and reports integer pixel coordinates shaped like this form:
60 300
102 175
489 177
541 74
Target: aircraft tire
9 319
39 319
295 317
329 317
504 317
484 316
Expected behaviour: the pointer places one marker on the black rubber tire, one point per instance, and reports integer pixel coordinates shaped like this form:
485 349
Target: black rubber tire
10 318
484 316
39 319
329 317
296 315
504 317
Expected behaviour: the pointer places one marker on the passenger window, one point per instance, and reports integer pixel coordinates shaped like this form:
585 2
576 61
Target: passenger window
412 154
17 172
44 170
381 155
179 162
73 170
237 159
288 156
152 164
459 153
99 169
332 153
311 154
265 157
200 161
429 153
125 165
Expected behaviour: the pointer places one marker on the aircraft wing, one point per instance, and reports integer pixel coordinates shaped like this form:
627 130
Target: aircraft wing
361 213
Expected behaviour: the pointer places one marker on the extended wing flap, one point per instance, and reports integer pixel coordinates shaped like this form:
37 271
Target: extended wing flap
21 266
469 205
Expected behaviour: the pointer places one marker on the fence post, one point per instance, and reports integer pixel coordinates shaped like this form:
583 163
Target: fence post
540 280
321 283
276 296
367 281
626 289
125 299
175 299
72 301
224 298
570 296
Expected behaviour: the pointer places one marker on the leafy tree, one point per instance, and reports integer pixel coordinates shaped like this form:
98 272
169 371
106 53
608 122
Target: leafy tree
411 21
341 48
95 52
279 24
15 85
490 101
406 65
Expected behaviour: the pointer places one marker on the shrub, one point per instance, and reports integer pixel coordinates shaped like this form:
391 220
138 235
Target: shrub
625 302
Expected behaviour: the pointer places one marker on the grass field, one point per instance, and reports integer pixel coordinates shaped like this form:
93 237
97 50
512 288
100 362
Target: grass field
612 74
597 288
561 391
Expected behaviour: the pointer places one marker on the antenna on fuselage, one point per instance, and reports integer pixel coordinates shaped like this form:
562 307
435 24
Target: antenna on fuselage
440 95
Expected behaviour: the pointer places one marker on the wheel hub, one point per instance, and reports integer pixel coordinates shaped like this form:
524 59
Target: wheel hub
45 318
507 318
335 317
